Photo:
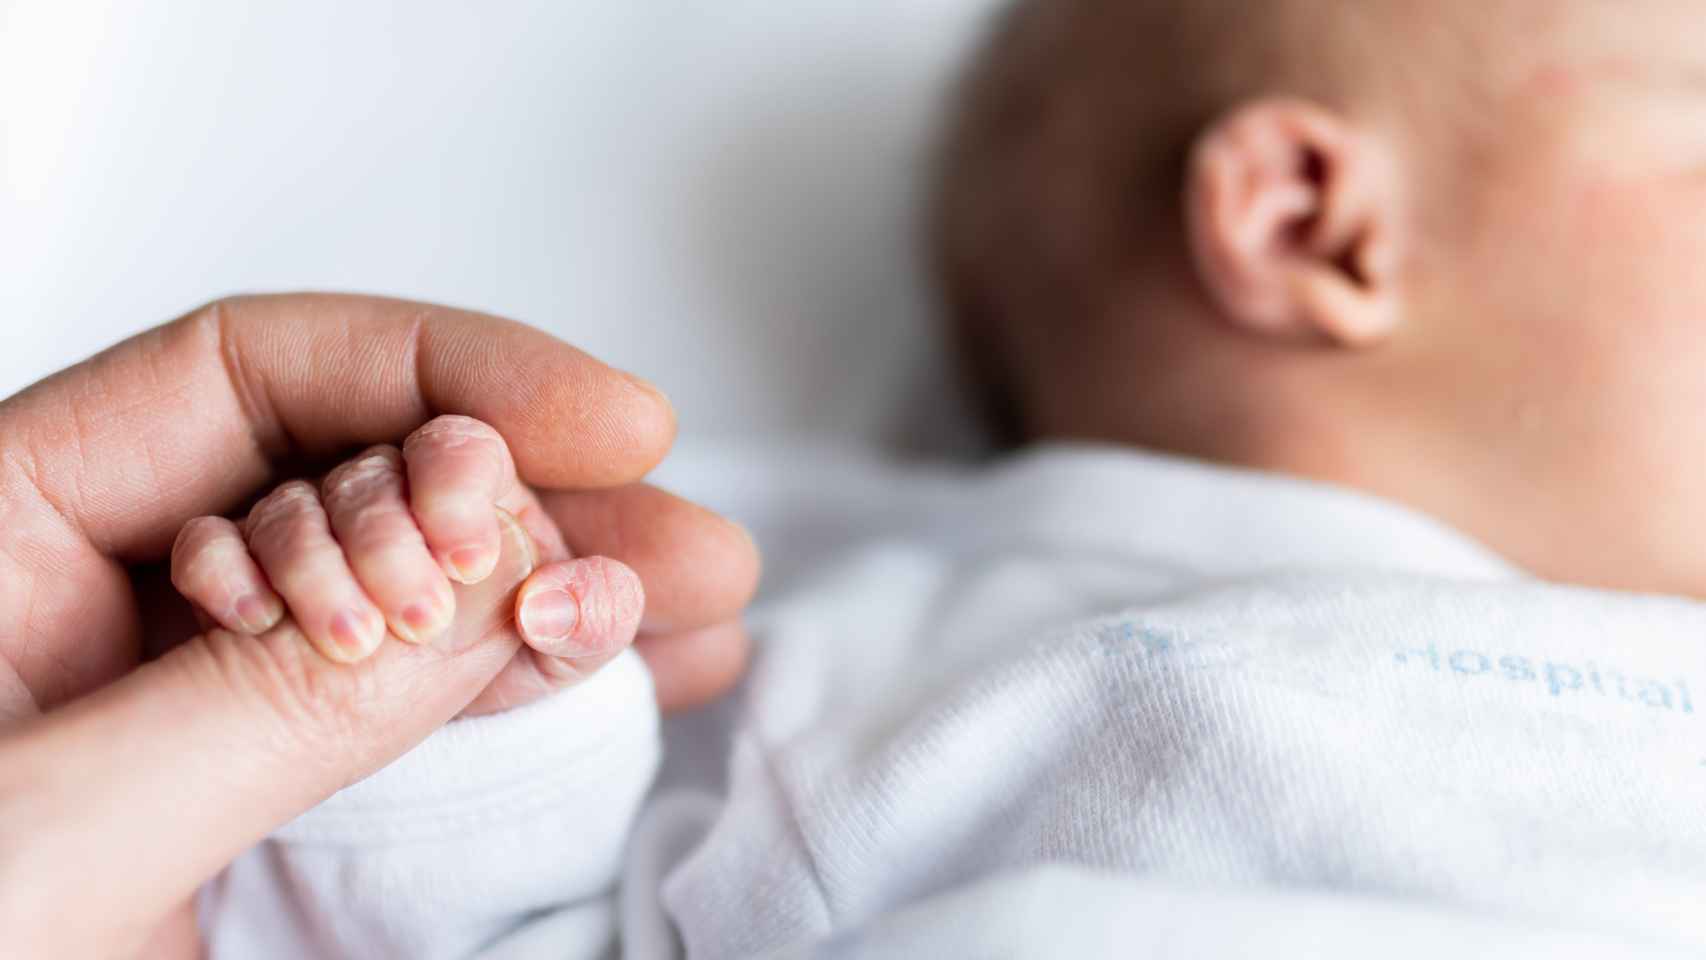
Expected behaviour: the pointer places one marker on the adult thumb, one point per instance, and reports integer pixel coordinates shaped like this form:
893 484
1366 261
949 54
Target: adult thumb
117 807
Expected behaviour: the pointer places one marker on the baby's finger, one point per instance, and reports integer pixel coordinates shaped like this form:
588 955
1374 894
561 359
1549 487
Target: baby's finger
580 611
574 617
212 568
291 538
699 569
369 514
458 469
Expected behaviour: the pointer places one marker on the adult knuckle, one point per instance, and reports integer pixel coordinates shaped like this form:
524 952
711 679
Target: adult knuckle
302 713
331 701
319 702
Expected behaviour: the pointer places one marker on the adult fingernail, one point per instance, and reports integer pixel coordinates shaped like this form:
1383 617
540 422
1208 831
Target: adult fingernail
258 615
745 532
645 385
470 564
652 390
549 615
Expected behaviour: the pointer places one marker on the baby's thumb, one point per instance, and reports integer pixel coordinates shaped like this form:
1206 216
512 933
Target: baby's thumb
173 771
581 609
575 617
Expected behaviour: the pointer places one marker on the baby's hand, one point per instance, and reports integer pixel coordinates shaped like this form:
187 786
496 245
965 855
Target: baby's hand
375 547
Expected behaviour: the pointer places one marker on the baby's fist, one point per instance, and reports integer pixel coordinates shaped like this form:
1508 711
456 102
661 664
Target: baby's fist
380 545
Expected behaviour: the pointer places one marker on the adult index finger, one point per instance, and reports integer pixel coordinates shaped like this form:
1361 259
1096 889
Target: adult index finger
189 418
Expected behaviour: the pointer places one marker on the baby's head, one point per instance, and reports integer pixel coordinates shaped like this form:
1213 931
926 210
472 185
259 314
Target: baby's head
1449 251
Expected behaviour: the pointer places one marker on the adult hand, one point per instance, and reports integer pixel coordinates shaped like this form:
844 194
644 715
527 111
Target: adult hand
122 790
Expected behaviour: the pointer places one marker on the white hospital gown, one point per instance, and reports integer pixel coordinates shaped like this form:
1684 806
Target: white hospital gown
1087 703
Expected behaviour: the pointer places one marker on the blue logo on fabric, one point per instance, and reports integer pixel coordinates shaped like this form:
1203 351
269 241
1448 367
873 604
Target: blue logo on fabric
1559 679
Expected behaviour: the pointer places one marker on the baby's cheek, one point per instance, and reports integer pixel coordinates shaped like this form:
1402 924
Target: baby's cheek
1594 282
1635 273
1620 363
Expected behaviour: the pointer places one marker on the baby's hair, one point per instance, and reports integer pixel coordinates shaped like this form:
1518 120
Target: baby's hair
1057 185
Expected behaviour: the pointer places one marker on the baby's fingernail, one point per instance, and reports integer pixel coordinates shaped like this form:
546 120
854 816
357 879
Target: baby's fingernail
354 636
470 564
258 615
549 615
421 622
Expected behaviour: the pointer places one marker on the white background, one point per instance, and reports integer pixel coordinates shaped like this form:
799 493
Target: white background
719 195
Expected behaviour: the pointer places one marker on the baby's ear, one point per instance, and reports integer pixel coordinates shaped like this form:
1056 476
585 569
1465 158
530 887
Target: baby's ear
1294 220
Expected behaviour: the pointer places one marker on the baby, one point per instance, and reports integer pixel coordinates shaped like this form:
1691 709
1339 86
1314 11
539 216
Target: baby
1336 330
1446 253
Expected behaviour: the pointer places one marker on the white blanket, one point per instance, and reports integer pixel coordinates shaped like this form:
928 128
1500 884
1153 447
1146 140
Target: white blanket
1090 703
